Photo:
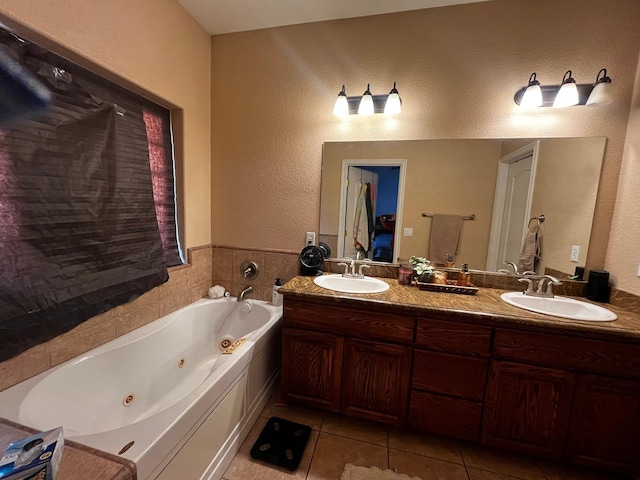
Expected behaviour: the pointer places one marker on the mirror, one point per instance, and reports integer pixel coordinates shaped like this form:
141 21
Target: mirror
460 177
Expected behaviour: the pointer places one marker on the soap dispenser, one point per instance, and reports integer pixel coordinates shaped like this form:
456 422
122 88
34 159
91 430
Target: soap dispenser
449 263
464 276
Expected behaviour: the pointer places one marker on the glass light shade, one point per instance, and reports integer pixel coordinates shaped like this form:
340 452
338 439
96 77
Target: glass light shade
366 104
341 108
567 96
601 94
532 97
393 105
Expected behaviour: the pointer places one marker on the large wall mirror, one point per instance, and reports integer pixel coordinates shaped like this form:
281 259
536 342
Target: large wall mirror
466 178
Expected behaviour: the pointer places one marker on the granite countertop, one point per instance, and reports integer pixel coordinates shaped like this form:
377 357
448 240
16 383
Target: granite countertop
485 307
79 462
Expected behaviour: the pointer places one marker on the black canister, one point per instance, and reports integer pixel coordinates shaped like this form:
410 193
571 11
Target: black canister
598 286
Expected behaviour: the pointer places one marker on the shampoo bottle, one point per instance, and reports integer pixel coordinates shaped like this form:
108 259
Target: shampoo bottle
277 298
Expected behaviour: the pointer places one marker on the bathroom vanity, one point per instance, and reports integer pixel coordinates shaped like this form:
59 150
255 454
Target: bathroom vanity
470 367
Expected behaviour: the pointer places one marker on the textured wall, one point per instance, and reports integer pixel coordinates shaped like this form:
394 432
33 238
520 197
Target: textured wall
153 44
623 256
457 69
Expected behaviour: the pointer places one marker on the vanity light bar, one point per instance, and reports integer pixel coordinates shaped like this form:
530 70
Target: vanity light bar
598 93
389 104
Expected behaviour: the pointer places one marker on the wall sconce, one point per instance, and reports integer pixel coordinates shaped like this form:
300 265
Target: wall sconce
566 94
368 104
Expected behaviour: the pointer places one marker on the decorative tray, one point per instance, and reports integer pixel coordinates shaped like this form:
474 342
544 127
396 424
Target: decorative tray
450 287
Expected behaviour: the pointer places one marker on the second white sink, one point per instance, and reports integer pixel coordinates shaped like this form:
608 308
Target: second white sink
339 283
559 307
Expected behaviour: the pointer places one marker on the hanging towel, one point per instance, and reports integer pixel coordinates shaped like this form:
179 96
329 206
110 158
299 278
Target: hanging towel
361 221
444 238
530 253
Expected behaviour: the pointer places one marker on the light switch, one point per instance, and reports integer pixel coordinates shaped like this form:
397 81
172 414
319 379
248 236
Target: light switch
575 253
408 232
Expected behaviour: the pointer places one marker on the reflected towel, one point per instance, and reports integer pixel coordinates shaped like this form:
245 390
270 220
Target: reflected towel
444 237
530 252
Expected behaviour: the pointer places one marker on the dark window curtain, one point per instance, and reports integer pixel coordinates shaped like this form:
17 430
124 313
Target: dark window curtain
78 228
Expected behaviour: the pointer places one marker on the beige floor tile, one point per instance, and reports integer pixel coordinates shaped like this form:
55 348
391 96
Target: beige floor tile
243 467
499 461
426 444
475 474
304 415
355 428
425 467
333 452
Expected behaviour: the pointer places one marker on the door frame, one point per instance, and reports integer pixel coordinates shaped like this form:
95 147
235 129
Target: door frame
378 162
499 198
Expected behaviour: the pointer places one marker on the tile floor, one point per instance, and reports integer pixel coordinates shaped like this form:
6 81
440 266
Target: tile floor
337 440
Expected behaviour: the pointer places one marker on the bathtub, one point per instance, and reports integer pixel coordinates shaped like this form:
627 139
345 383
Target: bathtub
164 395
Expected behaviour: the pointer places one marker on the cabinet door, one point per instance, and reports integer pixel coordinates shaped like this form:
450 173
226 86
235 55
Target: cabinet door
376 381
527 408
605 424
311 368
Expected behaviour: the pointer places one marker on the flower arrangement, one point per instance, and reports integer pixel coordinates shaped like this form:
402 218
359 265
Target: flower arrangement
422 266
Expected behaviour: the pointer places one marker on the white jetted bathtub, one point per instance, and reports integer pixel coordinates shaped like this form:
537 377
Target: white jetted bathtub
169 395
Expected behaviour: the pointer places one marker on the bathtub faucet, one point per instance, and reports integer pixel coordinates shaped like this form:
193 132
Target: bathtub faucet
245 291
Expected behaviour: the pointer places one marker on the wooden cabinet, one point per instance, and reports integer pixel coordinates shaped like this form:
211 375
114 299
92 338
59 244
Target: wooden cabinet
333 359
313 372
527 408
376 380
605 423
449 375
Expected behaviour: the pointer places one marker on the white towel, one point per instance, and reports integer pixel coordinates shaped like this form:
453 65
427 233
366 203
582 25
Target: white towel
530 252
444 237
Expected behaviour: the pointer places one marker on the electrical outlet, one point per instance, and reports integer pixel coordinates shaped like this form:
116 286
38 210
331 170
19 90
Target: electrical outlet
310 238
408 232
575 253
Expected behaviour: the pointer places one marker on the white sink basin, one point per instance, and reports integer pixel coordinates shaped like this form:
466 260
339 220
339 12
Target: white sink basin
560 307
339 283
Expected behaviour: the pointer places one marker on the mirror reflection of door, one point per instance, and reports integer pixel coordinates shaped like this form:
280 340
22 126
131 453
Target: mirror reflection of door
385 179
512 206
516 210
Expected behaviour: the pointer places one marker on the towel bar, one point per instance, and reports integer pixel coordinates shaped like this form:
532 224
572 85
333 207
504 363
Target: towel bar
468 217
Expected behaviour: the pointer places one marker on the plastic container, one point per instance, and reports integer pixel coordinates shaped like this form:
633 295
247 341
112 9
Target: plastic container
405 274
277 298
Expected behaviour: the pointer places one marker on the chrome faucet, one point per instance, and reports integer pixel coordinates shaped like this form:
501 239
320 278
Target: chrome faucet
350 268
540 291
245 291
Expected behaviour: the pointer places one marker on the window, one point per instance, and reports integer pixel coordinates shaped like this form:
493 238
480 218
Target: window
87 202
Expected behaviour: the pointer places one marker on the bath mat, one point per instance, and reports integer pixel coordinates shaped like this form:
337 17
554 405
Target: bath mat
353 472
282 443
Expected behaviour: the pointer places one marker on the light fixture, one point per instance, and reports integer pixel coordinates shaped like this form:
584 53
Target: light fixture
568 93
532 97
394 104
601 93
368 104
341 108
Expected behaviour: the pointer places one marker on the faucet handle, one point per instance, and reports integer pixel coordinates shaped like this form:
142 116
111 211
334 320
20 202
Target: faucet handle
552 281
362 265
529 289
346 267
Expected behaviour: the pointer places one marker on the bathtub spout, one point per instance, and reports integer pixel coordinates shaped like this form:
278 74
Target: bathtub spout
245 291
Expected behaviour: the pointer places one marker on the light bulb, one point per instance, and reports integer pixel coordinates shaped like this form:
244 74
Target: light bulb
341 108
532 97
568 93
602 93
366 103
394 104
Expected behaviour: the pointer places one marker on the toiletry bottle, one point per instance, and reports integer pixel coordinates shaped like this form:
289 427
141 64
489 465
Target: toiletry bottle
464 276
277 298
449 263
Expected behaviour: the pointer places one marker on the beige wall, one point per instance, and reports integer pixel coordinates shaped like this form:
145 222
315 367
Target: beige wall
155 45
623 256
457 70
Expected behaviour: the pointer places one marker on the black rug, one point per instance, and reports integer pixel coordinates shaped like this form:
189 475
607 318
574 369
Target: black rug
282 443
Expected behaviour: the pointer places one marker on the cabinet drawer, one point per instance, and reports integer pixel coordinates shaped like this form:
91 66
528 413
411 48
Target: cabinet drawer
454 337
454 417
583 354
349 322
450 374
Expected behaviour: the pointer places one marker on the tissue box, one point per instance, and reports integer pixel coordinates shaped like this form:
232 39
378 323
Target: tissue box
34 458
